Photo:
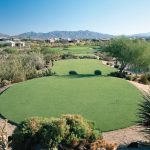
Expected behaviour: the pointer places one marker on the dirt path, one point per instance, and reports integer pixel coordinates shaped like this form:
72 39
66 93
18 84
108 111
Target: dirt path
126 136
141 87
2 89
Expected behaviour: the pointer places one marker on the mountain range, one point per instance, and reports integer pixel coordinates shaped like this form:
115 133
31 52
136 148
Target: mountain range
141 35
72 34
65 34
3 35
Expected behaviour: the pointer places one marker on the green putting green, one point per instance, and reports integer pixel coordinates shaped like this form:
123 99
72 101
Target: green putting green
110 102
79 49
81 66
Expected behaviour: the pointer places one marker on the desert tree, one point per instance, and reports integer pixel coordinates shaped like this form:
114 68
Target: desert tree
128 52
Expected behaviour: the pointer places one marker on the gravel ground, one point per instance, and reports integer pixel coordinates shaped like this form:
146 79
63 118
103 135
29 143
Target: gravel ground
126 136
10 127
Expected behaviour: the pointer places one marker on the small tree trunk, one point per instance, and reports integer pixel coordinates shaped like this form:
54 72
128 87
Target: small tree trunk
121 69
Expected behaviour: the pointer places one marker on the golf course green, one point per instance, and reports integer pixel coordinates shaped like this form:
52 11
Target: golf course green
110 102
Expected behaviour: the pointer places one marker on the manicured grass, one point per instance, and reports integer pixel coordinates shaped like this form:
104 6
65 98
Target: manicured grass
81 66
75 49
89 54
110 102
79 49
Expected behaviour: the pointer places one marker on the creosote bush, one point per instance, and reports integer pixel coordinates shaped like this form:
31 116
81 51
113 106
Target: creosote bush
68 131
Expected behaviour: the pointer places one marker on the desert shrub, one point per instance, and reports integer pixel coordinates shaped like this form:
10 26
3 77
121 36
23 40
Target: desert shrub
68 56
97 72
47 72
143 79
18 77
55 53
52 133
118 74
79 128
114 74
4 45
30 74
10 50
25 136
135 78
46 50
66 46
144 111
48 57
31 64
39 73
34 60
66 131
129 77
106 58
73 72
20 67
10 67
5 83
35 50
148 77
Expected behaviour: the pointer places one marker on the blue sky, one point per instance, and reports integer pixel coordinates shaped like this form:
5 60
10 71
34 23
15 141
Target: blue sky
105 16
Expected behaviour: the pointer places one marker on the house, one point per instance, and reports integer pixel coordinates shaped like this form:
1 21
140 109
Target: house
105 39
12 42
73 40
6 42
50 40
19 43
